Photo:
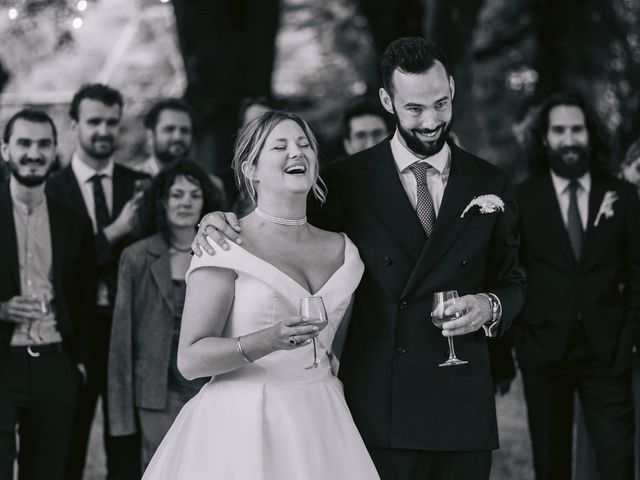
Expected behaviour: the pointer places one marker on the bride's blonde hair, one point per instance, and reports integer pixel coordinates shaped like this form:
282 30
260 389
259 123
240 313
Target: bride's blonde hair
250 143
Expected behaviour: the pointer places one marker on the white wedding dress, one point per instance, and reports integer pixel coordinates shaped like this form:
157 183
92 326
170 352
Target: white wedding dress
272 419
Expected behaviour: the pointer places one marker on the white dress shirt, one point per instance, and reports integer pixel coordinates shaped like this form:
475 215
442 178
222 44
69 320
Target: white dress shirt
561 186
83 174
35 260
437 176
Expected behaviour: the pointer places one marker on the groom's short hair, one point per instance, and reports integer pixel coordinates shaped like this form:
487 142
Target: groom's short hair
410 55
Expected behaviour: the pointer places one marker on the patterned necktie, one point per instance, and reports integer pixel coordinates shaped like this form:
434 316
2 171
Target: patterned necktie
574 224
424 208
100 202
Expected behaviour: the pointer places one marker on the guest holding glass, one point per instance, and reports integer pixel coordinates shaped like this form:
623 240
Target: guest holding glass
146 391
268 413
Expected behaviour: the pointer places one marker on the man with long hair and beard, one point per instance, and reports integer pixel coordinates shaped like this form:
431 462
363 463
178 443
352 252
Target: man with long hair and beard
580 230
46 291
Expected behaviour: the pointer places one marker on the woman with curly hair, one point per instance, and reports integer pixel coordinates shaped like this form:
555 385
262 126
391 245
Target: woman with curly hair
146 391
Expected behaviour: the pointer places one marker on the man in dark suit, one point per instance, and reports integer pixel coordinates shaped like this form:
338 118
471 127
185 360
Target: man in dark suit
46 292
102 191
580 235
408 204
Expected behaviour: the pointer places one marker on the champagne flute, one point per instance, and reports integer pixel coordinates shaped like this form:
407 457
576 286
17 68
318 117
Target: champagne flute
442 300
313 312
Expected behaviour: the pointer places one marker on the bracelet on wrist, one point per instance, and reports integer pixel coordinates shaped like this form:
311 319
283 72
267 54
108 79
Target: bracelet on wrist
241 351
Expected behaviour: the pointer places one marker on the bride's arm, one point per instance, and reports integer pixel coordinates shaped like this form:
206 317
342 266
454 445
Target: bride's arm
202 352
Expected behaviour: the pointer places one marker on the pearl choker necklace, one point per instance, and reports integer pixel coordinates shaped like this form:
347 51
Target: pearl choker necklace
281 221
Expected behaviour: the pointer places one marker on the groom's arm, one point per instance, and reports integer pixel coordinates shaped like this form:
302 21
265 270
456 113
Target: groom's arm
504 276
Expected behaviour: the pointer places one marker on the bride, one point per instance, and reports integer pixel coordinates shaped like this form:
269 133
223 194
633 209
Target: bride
264 414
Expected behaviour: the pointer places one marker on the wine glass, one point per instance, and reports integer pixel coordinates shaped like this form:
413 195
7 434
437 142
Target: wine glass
442 300
41 299
313 312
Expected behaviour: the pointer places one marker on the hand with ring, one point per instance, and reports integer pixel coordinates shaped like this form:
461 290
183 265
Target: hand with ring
291 333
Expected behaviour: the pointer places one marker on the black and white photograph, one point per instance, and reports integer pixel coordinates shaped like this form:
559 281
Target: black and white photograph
302 240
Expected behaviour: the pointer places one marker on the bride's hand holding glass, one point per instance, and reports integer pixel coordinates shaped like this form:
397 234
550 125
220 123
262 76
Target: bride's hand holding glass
293 332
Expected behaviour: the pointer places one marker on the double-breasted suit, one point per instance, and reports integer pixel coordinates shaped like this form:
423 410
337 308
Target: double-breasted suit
398 395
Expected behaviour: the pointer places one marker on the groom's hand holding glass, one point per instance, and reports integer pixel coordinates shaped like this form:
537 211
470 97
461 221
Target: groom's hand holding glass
476 311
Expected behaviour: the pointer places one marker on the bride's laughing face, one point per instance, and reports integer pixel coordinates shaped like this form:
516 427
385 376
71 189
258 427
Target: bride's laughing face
287 162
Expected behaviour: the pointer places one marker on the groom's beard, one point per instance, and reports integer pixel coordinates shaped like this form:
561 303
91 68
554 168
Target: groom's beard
569 162
419 147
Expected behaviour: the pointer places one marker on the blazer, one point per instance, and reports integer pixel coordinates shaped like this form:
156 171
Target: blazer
63 186
73 255
141 333
397 394
601 290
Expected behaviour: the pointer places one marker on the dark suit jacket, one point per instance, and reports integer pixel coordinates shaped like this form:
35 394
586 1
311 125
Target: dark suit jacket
398 395
602 290
63 186
73 255
141 335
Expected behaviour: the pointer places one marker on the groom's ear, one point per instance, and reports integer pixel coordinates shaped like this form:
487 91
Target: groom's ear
452 86
386 100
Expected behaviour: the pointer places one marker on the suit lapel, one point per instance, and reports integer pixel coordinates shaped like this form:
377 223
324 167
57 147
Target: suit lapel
457 195
8 236
161 268
122 190
57 231
378 179
73 193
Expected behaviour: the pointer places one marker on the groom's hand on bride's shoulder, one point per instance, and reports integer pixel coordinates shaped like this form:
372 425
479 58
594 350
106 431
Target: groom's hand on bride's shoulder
218 226
476 312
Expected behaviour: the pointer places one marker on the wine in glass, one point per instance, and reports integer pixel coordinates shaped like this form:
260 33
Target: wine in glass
313 312
442 300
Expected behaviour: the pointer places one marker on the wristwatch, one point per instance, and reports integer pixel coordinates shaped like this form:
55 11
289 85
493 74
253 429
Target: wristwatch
496 313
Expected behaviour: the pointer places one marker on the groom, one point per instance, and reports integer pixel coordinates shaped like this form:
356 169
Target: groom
402 203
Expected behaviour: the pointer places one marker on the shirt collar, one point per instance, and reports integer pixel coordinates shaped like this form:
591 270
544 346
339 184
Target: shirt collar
561 184
83 172
404 157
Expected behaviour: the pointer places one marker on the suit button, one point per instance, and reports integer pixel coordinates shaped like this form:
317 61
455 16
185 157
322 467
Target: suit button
401 350
464 263
387 261
403 305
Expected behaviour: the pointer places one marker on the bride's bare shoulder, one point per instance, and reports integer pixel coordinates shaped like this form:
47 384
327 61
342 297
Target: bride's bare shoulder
333 239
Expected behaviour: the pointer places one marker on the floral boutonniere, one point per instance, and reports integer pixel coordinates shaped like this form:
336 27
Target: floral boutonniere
606 207
486 203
